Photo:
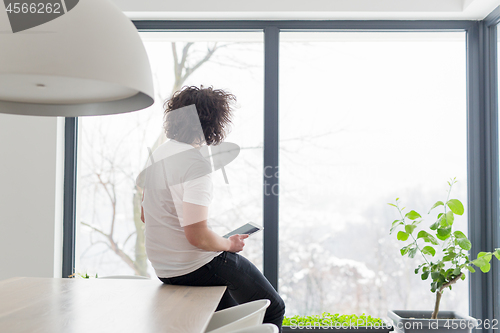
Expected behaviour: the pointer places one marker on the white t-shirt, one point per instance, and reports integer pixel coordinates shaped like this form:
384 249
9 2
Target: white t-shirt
178 172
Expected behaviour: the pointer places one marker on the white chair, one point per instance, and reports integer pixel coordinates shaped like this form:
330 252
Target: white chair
123 277
238 317
264 328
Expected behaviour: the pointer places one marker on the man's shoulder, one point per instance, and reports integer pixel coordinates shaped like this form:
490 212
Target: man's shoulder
186 165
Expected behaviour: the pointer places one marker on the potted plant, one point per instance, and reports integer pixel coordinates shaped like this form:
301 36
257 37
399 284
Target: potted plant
327 322
446 260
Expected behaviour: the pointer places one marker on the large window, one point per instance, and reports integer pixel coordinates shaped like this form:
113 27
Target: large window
114 149
365 118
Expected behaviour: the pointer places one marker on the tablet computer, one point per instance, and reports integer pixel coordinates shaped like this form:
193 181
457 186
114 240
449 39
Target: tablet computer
249 228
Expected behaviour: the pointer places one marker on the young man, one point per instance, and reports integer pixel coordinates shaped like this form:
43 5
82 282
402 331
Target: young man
179 242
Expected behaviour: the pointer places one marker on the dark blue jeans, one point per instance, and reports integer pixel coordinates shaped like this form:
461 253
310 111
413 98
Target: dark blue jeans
244 283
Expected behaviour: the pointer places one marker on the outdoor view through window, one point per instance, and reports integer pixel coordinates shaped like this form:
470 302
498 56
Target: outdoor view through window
364 118
114 149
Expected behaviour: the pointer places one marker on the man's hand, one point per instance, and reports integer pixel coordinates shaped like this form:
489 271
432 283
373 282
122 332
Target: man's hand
237 243
198 234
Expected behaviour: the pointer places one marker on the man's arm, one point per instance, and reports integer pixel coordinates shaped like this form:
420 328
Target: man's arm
199 235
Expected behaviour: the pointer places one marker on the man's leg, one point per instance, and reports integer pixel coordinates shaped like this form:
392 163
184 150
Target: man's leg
226 301
205 276
246 283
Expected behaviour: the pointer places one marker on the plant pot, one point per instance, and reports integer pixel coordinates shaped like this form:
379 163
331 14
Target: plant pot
413 321
336 329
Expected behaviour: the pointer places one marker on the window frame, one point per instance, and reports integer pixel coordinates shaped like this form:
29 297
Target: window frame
486 233
482 134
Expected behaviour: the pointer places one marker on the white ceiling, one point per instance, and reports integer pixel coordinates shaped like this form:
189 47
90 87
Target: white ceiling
310 9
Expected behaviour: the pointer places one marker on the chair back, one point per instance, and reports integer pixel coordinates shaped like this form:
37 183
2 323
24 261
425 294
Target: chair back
238 317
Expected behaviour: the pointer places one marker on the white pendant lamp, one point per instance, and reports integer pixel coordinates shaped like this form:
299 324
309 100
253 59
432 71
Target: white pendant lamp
89 61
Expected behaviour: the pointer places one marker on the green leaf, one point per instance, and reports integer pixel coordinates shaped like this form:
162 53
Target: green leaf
456 271
497 253
432 240
443 238
442 221
485 255
472 270
443 233
429 250
449 256
416 222
446 220
462 277
409 228
450 218
404 250
459 234
464 243
395 224
393 205
435 275
418 268
427 237
412 252
424 275
423 234
434 226
456 206
485 268
412 215
479 262
402 236
439 203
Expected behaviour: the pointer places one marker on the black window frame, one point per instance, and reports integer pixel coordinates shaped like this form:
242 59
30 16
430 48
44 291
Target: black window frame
486 232
482 135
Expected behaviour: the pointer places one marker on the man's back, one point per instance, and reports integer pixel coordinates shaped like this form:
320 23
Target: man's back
179 173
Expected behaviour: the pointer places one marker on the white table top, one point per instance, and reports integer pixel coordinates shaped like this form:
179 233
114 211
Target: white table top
104 305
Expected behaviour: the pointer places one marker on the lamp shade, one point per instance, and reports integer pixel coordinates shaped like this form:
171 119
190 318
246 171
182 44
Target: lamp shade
89 61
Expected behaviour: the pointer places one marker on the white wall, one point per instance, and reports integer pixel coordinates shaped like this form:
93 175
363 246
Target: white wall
30 205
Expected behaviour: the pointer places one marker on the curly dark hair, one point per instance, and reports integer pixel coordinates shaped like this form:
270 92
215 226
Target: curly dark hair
214 107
